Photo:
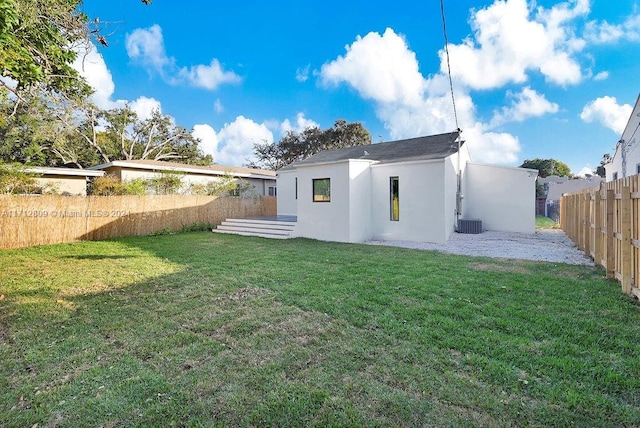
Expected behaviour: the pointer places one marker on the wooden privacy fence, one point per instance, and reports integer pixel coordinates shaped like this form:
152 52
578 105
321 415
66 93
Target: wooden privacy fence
604 222
37 220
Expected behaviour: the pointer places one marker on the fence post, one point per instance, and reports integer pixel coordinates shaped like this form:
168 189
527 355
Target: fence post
586 215
610 263
597 233
626 239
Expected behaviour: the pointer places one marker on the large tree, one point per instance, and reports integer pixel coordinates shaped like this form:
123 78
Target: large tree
119 134
51 130
547 167
296 146
38 43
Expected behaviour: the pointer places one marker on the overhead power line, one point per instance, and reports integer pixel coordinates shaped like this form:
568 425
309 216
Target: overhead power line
446 49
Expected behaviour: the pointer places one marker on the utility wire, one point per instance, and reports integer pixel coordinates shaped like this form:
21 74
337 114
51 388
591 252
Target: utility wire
446 49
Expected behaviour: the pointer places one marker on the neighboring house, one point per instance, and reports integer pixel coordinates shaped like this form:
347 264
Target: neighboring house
414 189
556 186
626 159
263 181
65 181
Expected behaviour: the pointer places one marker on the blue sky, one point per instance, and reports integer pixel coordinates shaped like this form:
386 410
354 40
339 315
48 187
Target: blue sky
544 79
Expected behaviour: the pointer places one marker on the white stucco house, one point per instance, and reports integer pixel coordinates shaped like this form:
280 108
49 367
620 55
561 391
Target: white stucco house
415 189
626 159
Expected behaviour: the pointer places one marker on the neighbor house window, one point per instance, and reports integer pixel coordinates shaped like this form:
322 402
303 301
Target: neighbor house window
321 190
615 175
272 191
638 168
394 192
296 187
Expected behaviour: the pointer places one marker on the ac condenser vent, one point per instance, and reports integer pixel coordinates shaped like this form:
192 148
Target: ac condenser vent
469 225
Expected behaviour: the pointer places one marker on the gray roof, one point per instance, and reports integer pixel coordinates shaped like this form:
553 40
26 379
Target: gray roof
420 148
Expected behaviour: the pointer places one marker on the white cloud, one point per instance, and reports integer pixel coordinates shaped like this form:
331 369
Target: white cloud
301 123
491 147
217 106
606 111
144 106
584 172
146 47
208 76
606 33
528 103
384 69
90 64
507 43
233 144
379 67
208 139
603 75
302 73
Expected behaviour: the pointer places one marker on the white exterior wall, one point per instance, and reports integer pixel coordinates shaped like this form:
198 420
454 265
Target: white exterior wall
450 195
327 221
502 197
421 194
615 166
360 201
286 198
630 142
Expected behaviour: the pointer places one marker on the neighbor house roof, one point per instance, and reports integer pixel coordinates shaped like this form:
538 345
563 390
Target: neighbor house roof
46 170
420 148
556 190
194 169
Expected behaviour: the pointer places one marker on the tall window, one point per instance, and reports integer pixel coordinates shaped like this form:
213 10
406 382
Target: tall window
321 190
394 192
296 187
615 176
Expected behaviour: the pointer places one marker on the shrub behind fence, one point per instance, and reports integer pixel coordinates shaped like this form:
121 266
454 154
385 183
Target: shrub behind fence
604 222
37 220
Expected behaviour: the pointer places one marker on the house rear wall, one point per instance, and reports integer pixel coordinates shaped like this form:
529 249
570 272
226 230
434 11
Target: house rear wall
502 197
287 200
422 202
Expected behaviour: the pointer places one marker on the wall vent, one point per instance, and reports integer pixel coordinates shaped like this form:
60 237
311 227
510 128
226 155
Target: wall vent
469 225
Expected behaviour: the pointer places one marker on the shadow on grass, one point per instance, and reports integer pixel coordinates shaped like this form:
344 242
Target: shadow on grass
204 329
96 257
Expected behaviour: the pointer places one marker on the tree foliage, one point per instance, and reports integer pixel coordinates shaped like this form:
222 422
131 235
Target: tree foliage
294 146
38 43
547 167
49 129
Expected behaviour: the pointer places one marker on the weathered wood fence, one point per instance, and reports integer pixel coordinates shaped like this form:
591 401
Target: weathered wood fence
38 220
604 222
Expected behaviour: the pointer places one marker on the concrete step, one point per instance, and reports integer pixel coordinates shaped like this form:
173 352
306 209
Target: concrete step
255 227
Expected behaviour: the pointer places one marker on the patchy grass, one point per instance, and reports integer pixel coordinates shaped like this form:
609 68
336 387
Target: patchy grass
198 329
546 223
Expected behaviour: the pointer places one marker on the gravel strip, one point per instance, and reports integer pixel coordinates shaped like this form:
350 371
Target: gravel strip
548 245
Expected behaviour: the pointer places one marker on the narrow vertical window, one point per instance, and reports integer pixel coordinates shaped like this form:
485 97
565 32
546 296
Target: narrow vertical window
296 187
321 190
394 191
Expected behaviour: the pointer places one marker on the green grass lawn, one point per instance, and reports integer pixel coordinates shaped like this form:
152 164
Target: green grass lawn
200 329
545 223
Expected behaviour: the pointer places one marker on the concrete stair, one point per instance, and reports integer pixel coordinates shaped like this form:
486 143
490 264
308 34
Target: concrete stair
257 227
